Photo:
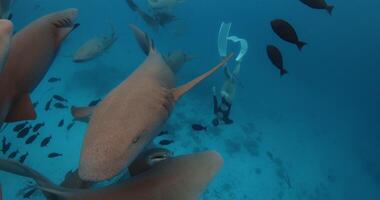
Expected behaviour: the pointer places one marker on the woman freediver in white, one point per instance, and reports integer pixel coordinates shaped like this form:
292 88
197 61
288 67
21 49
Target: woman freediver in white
222 110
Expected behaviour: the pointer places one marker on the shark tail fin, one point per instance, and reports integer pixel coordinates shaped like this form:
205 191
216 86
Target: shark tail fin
143 39
179 91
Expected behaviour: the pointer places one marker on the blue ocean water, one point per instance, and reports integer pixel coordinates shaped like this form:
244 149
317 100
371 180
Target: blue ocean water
311 134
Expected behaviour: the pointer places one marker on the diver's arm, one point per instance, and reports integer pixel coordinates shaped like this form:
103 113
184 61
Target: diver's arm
215 99
237 69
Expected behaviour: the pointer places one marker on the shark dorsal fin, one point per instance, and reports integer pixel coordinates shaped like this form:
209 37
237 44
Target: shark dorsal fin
143 39
22 109
179 91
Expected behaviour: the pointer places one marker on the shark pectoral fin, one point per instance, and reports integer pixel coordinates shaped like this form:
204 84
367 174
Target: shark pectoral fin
179 91
82 114
21 110
143 39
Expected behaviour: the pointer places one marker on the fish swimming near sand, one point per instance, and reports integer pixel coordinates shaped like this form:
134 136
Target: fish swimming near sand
20 126
38 126
23 157
54 79
119 127
5 145
31 139
95 47
59 98
199 127
183 177
54 155
37 44
48 104
45 141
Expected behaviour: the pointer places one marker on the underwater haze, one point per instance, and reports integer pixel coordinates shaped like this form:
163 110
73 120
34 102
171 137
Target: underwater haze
311 134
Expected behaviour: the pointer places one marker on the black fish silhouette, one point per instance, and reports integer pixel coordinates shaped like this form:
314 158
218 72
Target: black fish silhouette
13 154
23 157
35 104
94 102
32 138
198 127
24 132
319 4
29 193
47 106
61 123
38 126
286 32
166 142
54 79
54 155
70 125
45 141
59 98
20 126
60 105
275 57
163 133
6 145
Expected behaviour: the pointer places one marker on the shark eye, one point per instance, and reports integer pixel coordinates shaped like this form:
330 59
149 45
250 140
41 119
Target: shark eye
136 140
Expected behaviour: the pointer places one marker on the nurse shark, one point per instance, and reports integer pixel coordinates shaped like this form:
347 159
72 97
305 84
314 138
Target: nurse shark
31 53
131 115
183 177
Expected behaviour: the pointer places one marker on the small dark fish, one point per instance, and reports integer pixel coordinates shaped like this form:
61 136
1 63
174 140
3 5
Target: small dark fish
35 104
275 57
198 127
70 125
45 141
32 138
286 32
29 193
61 123
23 157
54 155
149 20
13 154
94 102
47 106
59 98
166 142
163 133
60 105
132 5
319 4
164 18
6 145
24 132
54 79
38 126
20 126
